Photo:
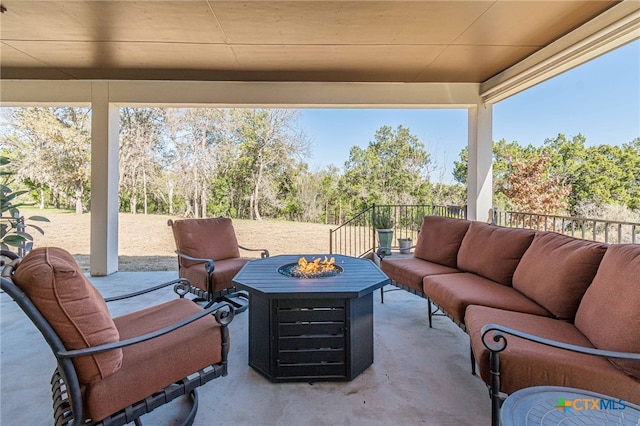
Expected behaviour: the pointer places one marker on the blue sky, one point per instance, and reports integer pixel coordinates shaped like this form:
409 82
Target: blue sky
600 99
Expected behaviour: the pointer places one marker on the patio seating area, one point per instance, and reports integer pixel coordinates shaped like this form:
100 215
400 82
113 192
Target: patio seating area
413 379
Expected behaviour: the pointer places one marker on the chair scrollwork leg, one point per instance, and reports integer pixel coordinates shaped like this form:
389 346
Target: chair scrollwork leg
496 342
182 288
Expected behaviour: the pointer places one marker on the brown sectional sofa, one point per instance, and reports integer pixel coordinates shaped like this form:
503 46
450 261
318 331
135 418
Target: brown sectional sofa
565 289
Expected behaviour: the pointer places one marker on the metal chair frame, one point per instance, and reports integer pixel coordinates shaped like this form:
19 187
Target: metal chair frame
494 338
223 296
66 393
432 309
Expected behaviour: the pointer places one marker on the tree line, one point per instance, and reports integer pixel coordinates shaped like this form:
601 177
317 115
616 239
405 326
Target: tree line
565 176
251 163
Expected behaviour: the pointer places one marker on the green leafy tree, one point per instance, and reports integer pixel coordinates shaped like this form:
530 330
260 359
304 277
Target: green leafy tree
13 226
268 140
603 178
140 133
503 154
196 136
597 176
389 170
567 156
51 147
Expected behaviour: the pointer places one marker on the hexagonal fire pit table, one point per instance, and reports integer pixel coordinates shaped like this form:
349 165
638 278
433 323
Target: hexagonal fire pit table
310 328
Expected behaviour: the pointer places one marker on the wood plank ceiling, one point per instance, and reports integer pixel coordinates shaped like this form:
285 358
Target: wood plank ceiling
345 41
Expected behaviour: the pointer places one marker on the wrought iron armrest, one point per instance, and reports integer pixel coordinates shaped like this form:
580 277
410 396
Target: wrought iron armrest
180 282
7 254
381 253
223 317
494 339
500 343
209 264
265 252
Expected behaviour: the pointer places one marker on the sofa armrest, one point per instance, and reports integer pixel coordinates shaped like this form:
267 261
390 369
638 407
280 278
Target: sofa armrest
494 338
500 343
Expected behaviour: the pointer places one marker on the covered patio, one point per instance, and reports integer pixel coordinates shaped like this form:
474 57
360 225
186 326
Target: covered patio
356 54
414 54
420 375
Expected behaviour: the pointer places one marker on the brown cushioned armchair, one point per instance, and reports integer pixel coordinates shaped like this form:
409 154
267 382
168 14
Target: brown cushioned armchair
209 257
113 370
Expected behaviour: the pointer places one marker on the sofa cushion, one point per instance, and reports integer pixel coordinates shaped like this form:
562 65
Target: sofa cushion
493 251
454 292
556 270
410 271
439 239
54 282
212 238
609 313
223 274
152 365
524 363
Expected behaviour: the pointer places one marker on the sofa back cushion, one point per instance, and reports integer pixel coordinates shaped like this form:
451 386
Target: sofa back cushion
556 270
212 238
493 251
609 313
439 239
54 282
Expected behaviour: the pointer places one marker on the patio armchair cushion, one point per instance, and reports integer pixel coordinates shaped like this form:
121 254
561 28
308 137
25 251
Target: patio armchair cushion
212 238
493 251
52 279
556 270
156 363
440 238
222 275
612 300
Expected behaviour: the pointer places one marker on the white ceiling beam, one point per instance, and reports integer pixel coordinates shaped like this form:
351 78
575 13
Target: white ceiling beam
24 93
244 94
298 94
616 27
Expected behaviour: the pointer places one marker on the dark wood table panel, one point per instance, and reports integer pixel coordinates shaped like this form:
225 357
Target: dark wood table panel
310 328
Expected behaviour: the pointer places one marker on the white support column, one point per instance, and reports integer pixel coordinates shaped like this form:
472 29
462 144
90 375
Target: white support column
104 181
480 169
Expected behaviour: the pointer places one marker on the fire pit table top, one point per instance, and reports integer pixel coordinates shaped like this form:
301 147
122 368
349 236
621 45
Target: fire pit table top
358 278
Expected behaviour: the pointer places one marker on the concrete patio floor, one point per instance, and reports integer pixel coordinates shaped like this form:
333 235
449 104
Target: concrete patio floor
419 375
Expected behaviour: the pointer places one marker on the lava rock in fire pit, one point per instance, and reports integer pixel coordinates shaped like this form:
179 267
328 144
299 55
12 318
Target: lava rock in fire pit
315 269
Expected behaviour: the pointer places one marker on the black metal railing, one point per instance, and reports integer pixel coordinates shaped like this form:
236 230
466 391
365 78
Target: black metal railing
357 236
603 230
